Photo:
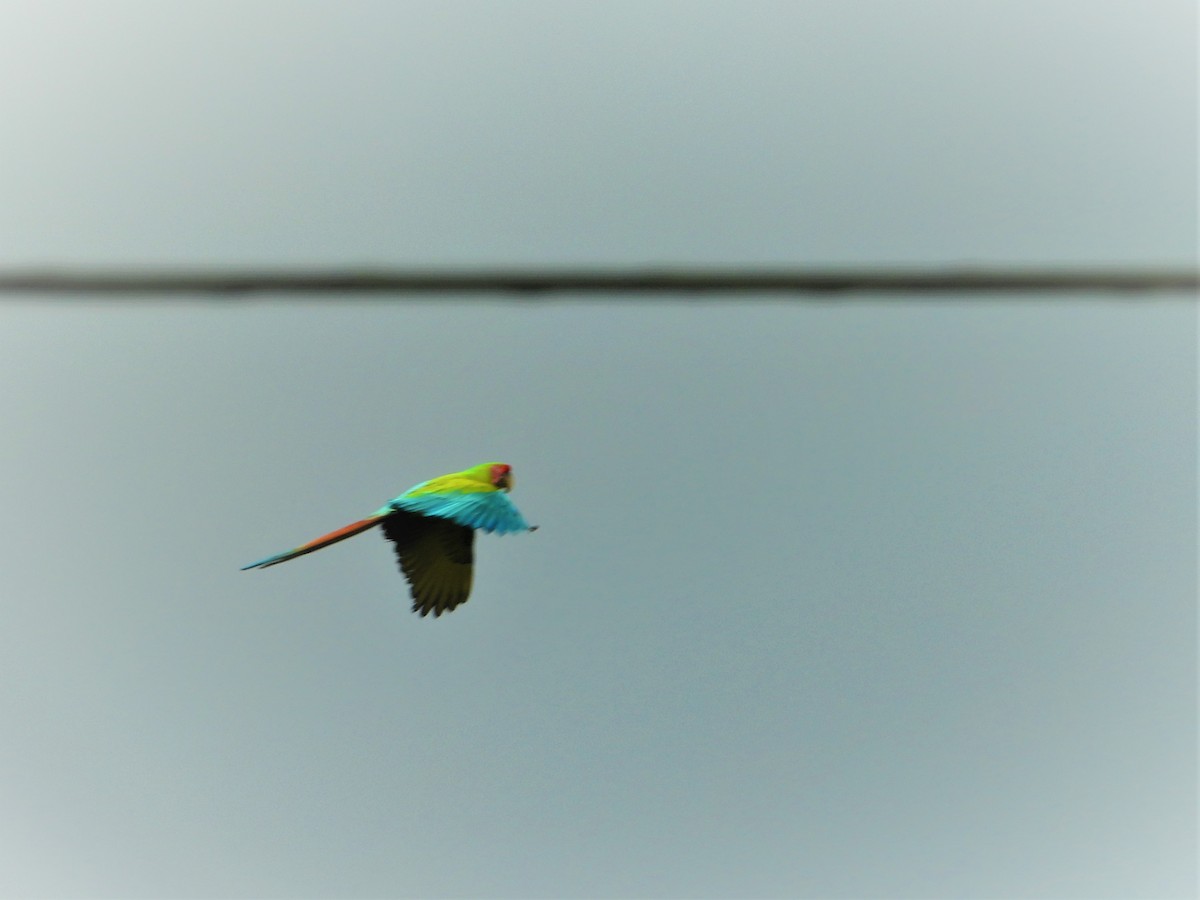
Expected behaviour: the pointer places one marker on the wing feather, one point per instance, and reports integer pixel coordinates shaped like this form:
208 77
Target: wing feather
436 556
489 511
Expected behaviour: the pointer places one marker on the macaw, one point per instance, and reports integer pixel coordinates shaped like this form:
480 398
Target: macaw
433 527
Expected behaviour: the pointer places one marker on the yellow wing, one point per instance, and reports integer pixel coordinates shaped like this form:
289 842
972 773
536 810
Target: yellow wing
436 556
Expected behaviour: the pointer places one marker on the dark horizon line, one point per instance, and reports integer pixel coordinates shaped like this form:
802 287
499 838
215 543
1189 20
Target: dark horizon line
530 280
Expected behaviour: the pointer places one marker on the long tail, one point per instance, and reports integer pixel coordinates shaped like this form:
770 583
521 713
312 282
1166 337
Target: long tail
324 541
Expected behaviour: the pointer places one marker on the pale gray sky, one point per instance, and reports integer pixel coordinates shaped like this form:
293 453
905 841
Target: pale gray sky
864 600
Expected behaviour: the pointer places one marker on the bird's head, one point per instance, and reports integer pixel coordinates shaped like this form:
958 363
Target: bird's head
501 476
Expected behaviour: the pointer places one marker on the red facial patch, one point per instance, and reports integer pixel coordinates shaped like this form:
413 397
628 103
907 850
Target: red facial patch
499 471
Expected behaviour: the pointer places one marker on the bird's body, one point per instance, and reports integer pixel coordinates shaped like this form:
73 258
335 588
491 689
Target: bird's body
433 526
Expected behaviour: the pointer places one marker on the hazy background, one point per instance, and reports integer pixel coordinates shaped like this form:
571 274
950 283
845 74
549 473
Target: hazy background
859 600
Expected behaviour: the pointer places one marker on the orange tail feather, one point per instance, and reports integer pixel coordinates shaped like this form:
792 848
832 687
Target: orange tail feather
317 543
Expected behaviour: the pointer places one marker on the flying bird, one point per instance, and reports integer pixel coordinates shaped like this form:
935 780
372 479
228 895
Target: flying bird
433 526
